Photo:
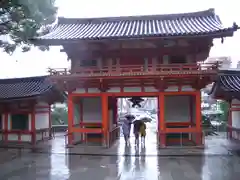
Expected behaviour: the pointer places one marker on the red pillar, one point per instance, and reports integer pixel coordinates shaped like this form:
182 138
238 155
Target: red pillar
115 111
198 118
6 126
105 123
161 121
33 125
50 122
81 117
230 121
70 118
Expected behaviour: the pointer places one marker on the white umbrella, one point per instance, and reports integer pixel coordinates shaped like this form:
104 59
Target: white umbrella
143 119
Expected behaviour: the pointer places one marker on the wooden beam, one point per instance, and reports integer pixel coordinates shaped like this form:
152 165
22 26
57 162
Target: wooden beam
136 52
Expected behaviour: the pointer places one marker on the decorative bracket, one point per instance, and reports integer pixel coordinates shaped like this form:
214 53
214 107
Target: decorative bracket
102 86
160 84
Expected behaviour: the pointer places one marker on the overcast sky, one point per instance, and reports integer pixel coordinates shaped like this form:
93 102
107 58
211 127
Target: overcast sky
35 62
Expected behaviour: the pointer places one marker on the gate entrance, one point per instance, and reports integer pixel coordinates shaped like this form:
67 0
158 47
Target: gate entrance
124 61
140 107
95 117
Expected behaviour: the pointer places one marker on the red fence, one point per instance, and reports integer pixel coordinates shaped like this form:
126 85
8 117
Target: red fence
138 70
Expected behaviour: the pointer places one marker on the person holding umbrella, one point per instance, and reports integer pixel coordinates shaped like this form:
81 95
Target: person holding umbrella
140 128
143 132
126 128
136 130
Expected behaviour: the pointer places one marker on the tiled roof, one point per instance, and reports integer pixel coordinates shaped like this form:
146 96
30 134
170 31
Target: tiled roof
228 83
185 24
24 87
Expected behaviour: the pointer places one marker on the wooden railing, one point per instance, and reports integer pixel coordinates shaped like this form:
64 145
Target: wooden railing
139 70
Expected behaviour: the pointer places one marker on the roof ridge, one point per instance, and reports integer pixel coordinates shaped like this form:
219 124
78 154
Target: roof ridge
208 12
20 79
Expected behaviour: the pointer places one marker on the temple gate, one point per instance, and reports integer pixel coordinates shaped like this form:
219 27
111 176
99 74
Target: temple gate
139 56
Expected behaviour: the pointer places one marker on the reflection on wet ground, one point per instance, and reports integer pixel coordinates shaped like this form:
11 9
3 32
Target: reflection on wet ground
140 162
59 166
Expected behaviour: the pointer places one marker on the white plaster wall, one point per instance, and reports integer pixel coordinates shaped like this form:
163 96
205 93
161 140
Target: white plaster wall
24 137
92 113
177 108
76 121
76 117
177 104
92 109
235 117
42 119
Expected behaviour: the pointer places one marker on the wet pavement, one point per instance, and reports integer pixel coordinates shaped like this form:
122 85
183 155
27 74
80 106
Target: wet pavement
216 162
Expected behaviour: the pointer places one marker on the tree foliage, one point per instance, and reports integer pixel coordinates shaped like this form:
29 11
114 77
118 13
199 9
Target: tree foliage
59 115
21 20
224 106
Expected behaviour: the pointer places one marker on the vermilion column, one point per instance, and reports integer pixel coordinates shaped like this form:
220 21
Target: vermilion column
6 114
50 122
70 118
198 118
81 117
230 120
105 123
33 126
161 121
115 110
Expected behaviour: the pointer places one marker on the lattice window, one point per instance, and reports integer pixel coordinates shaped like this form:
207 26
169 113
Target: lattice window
20 122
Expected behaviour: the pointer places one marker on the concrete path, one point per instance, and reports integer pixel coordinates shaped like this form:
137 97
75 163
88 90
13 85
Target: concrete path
41 166
55 162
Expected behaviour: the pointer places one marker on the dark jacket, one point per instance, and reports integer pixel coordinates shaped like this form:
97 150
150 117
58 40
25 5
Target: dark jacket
136 127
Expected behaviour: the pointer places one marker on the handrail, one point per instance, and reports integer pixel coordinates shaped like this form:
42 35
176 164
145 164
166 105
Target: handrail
137 69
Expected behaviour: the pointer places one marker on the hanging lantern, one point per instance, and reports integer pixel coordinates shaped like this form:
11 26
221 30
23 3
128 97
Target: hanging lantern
136 101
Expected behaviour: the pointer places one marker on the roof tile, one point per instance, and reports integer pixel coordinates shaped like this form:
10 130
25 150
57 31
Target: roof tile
187 24
230 82
23 87
227 84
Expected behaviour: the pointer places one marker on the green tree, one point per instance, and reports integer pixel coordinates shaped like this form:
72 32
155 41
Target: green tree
224 106
21 20
59 115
